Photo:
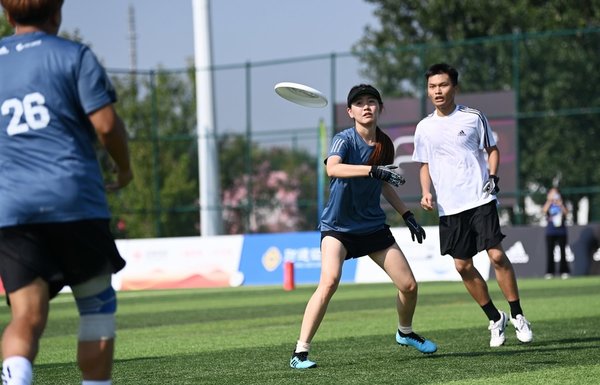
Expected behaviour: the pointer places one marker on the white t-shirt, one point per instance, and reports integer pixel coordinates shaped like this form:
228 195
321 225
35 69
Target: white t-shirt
454 147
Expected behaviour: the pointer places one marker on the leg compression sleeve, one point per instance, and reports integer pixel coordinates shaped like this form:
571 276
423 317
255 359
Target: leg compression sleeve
97 311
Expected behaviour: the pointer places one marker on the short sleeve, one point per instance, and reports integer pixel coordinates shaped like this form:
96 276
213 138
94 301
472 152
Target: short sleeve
420 153
339 146
486 134
93 84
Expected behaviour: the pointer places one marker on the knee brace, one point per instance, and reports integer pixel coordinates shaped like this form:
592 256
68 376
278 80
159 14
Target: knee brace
97 314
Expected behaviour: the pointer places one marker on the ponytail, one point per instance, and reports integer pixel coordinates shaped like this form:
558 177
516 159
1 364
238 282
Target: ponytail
384 151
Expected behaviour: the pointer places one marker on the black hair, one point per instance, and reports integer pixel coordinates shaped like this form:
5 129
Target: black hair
443 68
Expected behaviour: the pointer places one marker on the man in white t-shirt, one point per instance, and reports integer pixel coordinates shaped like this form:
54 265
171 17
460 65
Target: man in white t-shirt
451 144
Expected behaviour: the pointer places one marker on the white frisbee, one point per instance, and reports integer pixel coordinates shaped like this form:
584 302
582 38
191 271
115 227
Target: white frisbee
301 94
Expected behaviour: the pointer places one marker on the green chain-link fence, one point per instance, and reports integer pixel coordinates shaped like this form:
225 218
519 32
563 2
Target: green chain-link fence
538 88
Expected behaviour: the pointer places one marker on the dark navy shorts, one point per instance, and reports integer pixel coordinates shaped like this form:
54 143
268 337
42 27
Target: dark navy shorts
358 245
465 234
61 253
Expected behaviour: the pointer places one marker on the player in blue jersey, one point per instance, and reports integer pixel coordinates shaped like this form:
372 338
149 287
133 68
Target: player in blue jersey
353 222
55 102
451 144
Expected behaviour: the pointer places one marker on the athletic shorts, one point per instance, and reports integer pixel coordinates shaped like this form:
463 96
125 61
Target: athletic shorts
358 245
61 253
465 234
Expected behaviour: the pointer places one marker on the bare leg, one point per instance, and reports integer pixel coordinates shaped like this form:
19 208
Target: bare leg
332 258
29 314
473 281
394 263
505 274
95 359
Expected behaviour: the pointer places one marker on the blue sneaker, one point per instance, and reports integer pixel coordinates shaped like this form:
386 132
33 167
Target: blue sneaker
301 361
416 341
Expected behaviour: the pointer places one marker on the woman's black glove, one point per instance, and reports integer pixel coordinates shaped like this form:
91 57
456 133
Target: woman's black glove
415 229
386 174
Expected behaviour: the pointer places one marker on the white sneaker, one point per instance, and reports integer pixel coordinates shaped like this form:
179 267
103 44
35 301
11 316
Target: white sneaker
548 276
523 328
565 275
497 329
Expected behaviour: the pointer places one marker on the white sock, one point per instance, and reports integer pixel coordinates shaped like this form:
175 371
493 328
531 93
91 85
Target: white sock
405 329
16 370
302 347
107 382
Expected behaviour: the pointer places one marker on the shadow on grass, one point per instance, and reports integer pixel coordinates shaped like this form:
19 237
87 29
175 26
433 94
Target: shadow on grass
529 348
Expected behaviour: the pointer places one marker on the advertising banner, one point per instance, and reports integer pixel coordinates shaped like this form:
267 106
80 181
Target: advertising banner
259 259
264 255
425 260
185 262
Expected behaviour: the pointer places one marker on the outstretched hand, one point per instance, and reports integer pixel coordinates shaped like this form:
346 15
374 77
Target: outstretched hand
386 174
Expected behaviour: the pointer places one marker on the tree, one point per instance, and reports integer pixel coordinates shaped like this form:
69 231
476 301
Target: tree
159 111
274 196
490 42
5 28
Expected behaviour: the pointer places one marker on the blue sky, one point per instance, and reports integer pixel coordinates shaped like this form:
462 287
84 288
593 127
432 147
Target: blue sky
242 30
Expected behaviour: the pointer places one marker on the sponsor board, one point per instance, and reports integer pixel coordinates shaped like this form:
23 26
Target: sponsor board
185 262
263 257
233 260
425 260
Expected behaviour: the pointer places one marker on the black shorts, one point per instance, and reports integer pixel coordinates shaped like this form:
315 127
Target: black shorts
465 234
358 245
61 253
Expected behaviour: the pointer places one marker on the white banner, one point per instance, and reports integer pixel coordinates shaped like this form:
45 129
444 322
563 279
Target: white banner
184 262
425 260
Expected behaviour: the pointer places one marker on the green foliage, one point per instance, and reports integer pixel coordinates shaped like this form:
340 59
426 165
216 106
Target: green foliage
159 111
5 28
246 335
283 185
526 46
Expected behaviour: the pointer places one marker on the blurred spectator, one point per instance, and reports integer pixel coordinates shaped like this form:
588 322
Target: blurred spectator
556 233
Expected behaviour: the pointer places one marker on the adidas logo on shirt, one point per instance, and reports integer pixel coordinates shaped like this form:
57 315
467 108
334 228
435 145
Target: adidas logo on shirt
462 133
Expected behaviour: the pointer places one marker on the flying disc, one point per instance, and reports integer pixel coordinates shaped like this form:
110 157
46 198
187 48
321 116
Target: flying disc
301 94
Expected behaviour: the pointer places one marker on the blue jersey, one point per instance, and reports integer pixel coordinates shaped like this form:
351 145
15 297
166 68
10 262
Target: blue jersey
48 166
354 204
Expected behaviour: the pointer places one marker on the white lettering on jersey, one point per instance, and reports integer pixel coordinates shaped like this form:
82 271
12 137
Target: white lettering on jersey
20 47
31 108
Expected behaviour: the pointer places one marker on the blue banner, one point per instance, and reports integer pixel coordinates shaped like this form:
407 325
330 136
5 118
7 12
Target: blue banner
263 257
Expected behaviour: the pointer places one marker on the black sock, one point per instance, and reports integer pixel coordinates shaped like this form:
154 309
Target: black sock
491 312
515 308
412 335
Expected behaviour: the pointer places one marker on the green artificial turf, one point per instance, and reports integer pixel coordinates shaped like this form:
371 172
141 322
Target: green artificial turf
246 335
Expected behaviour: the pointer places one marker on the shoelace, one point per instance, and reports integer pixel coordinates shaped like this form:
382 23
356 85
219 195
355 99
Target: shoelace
521 323
498 325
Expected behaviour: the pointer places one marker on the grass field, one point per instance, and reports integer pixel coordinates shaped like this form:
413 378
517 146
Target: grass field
245 336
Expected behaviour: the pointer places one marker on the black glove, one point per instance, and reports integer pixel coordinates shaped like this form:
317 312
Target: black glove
491 186
415 229
386 174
